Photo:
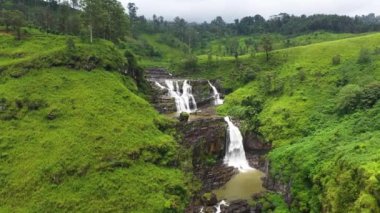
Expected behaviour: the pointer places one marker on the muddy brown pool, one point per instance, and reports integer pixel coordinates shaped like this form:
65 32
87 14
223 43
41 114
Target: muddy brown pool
242 186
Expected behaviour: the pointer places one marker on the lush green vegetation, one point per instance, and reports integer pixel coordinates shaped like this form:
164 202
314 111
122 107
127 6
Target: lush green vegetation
78 135
323 119
75 136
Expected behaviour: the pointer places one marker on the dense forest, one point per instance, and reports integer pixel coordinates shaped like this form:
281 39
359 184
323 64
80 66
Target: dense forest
81 131
109 20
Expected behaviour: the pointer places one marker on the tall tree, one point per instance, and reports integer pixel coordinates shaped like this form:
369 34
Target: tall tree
267 44
132 11
13 19
105 19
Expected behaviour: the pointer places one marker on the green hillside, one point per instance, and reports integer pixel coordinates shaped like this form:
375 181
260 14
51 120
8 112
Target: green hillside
279 41
77 138
323 119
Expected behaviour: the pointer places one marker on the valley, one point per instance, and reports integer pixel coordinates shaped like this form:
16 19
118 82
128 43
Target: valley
105 110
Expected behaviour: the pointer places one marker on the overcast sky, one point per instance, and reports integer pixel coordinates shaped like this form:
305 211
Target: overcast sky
206 10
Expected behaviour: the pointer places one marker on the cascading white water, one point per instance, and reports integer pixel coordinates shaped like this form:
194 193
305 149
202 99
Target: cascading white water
185 102
219 205
235 154
218 100
159 85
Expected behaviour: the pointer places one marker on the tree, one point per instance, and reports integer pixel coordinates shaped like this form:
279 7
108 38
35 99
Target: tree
179 28
218 26
14 19
267 44
364 56
105 19
132 11
17 21
232 46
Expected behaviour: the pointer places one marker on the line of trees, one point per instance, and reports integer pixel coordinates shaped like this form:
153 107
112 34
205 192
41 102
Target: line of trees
90 18
200 34
108 19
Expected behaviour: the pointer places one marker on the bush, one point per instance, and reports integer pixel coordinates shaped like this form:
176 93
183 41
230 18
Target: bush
271 84
301 75
376 51
370 95
352 97
348 98
70 45
190 63
364 56
164 124
336 60
184 117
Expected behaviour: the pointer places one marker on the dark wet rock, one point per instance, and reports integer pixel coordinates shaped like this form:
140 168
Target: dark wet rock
254 143
216 176
152 74
238 206
207 136
207 139
202 92
257 161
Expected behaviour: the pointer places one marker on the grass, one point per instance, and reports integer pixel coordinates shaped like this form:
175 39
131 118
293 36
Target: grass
279 41
330 159
82 141
157 50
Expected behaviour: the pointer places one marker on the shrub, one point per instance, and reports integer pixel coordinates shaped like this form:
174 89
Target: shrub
35 104
336 60
164 124
352 97
364 56
70 45
190 63
271 84
376 51
370 95
348 98
184 117
301 75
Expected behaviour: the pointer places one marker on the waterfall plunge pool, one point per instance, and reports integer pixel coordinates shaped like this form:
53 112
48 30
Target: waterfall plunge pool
242 186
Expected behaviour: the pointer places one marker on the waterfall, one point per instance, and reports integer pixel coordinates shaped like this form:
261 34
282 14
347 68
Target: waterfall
159 85
235 154
219 205
185 102
218 100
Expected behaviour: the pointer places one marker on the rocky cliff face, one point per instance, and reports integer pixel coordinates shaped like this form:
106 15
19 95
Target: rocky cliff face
255 144
206 137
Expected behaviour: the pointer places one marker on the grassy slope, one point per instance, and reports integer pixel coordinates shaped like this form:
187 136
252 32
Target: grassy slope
147 45
102 150
332 161
279 41
233 77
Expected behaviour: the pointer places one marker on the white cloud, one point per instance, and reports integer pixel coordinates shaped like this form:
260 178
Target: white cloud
206 10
